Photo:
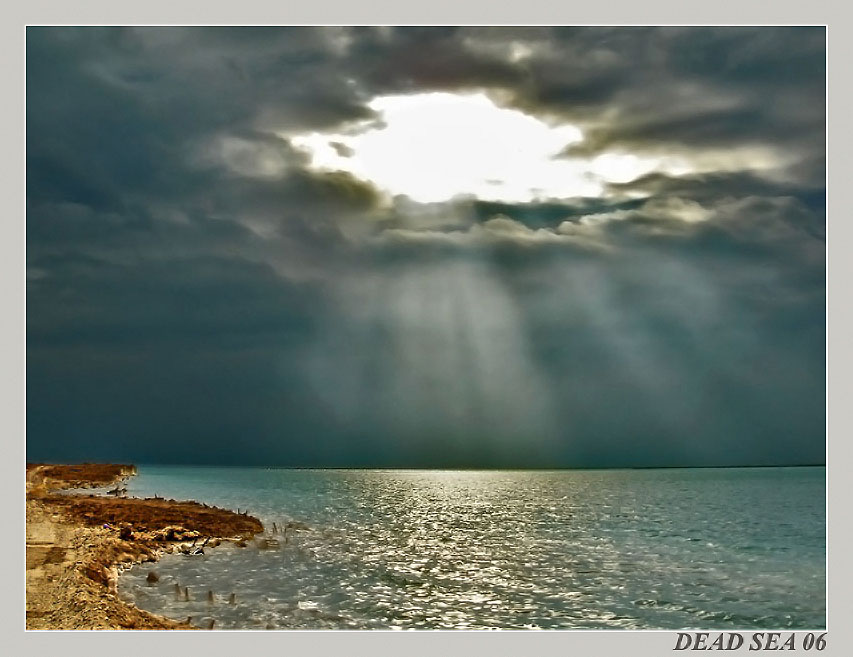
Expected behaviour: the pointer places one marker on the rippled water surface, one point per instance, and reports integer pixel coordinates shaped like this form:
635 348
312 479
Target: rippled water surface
709 548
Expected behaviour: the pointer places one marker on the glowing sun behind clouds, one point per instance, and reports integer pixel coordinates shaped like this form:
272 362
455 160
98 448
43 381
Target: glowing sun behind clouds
434 146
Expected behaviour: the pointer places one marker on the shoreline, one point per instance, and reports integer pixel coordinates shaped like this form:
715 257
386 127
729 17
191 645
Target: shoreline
77 545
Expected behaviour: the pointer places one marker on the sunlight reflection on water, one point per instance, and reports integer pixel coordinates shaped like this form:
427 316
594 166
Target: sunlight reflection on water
462 549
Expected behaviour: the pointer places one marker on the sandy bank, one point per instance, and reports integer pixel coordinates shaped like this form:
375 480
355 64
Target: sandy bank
84 475
77 543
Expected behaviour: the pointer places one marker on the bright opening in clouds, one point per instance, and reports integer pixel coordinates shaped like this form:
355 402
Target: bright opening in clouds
434 146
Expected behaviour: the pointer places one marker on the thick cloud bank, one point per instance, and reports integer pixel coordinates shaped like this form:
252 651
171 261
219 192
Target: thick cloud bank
199 291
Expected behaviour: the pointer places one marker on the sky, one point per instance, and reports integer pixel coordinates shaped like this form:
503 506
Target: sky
426 247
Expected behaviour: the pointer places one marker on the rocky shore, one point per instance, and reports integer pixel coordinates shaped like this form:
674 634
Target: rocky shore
77 543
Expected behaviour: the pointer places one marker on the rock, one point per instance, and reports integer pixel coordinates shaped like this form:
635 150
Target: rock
97 572
152 577
175 533
186 535
128 557
112 580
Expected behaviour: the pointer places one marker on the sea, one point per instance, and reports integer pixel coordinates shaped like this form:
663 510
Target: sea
709 548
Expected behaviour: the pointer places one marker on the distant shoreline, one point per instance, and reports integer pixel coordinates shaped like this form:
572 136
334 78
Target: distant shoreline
77 543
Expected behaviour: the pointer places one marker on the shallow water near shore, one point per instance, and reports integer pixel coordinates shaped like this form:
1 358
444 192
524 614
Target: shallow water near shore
718 548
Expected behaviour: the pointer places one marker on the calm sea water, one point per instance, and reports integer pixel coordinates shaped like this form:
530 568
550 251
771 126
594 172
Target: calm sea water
395 549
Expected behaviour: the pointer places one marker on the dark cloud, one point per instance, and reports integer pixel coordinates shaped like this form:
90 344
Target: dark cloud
671 88
712 186
197 292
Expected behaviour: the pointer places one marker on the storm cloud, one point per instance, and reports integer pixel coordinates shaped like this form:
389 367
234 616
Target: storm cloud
199 290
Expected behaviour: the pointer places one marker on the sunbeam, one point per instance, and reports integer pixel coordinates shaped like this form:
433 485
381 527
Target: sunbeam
453 364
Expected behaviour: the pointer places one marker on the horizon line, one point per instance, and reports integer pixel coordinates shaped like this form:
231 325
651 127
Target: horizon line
446 468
